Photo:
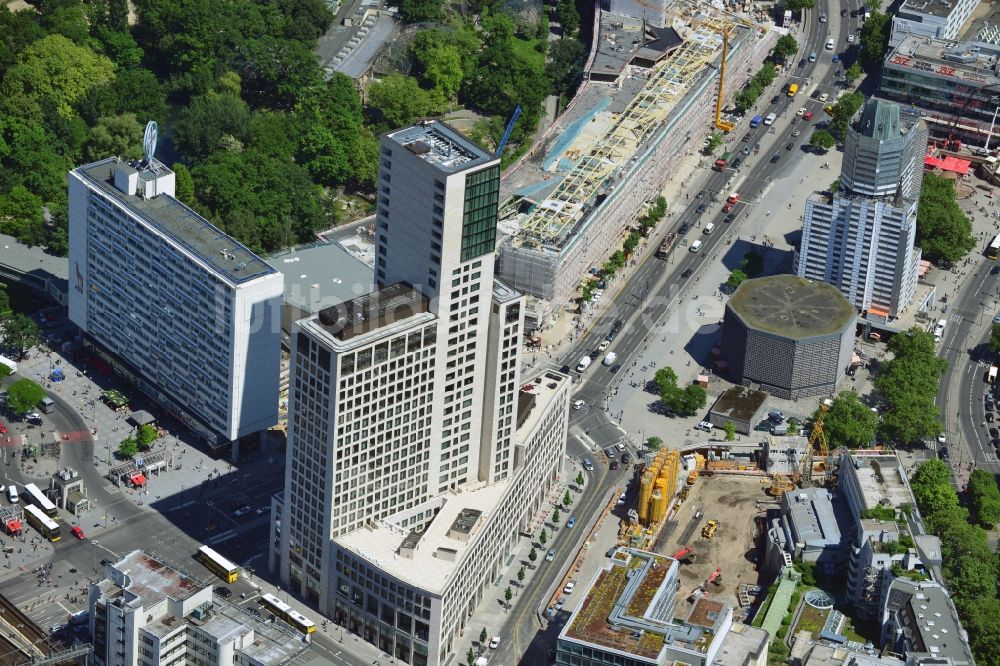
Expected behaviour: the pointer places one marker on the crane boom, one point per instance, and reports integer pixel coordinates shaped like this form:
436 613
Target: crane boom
510 128
723 125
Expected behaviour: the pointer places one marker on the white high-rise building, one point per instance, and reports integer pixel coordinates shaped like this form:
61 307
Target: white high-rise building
172 302
416 456
861 238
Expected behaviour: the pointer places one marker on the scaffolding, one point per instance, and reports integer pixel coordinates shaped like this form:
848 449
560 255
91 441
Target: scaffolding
551 221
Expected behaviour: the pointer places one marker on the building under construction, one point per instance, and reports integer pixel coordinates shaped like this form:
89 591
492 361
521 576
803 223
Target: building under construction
650 92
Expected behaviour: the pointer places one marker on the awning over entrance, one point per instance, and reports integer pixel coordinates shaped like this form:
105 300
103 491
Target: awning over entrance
14 526
138 479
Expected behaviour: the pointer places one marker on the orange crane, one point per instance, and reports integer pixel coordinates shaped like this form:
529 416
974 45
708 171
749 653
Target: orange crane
713 577
721 124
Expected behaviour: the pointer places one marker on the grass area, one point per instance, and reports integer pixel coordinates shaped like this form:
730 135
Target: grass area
812 620
526 48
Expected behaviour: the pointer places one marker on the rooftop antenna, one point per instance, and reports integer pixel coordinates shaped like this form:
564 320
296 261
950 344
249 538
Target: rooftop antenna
149 141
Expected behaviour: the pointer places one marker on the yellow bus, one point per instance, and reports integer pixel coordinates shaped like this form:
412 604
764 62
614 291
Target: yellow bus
993 251
217 564
287 613
47 527
792 89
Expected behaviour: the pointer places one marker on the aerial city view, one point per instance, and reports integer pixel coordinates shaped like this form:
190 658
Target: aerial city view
373 332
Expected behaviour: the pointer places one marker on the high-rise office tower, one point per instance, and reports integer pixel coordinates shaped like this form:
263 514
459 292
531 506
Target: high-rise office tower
861 238
185 311
416 454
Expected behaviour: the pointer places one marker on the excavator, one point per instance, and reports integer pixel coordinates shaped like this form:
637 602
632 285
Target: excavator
684 554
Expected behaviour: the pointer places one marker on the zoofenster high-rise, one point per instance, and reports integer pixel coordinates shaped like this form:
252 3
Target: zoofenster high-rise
861 238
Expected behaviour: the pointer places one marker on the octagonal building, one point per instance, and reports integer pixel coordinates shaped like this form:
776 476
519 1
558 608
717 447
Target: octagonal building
791 336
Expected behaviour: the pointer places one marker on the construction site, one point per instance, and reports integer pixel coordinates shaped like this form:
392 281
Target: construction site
650 94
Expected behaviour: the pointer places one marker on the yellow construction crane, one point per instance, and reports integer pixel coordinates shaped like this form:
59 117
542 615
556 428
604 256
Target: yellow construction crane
725 30
817 437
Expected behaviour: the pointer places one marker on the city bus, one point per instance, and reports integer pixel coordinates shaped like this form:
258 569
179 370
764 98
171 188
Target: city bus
36 497
217 564
47 527
287 613
993 251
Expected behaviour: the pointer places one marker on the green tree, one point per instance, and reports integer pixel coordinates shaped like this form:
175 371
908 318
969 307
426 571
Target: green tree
746 98
565 65
419 11
508 594
852 73
199 131
730 429
785 47
567 500
118 15
908 383
183 183
943 230
822 139
579 479
21 216
984 498
128 447
849 422
981 619
470 658
532 555
399 99
715 140
995 338
874 38
439 63
55 68
5 309
569 17
520 576
115 135
21 333
483 636
24 395
766 75
543 536
843 110
654 443
736 278
684 401
146 435
798 5
556 515
5 372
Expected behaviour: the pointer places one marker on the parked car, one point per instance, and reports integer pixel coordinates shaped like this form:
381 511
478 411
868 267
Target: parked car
551 555
702 208
626 458
223 591
569 588
704 425
789 146
613 465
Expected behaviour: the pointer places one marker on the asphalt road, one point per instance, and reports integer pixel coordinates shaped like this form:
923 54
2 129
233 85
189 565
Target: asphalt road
652 290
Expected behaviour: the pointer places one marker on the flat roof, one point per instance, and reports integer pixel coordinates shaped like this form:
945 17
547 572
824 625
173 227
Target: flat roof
944 59
442 146
811 513
273 643
740 403
150 580
939 8
20 258
423 569
182 226
322 274
742 642
792 307
372 311
880 478
939 631
621 36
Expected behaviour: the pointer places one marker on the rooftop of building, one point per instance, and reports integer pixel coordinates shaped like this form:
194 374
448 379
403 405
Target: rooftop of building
621 38
150 581
965 62
320 275
34 260
502 293
812 516
740 403
938 8
435 554
180 225
822 654
935 622
792 307
879 120
441 145
741 644
273 643
372 312
881 479
629 607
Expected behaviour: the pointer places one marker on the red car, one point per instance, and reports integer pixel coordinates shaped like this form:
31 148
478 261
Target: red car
728 207
3 428
807 116
77 532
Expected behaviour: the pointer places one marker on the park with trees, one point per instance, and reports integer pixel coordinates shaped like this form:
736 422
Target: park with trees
264 145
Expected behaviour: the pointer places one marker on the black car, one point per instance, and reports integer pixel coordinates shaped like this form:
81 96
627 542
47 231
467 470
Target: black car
616 367
816 93
594 354
802 63
700 195
843 12
617 326
223 592
613 465
730 218
626 458
996 444
764 426
686 274
702 208
994 433
943 453
684 228
789 146
995 270
735 164
784 88
565 369
775 158
775 99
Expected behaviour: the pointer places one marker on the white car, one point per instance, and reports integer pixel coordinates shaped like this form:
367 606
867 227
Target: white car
621 499
551 555
620 446
569 588
604 345
850 39
494 642
801 112
705 425
242 511
796 132
941 439
824 97
578 404
33 417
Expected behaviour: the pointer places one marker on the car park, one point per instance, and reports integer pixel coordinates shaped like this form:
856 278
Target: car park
551 555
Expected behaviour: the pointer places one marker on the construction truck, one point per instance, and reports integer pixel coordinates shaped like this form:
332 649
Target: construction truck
722 162
709 530
692 477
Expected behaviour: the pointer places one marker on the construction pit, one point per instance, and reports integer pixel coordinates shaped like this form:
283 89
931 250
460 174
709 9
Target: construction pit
739 504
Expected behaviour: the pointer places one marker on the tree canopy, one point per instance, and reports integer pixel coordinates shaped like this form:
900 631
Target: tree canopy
822 139
683 401
908 382
875 37
943 230
849 422
785 47
843 110
23 396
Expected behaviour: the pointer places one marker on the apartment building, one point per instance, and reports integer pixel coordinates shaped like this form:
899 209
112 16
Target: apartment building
861 238
172 302
416 454
938 19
